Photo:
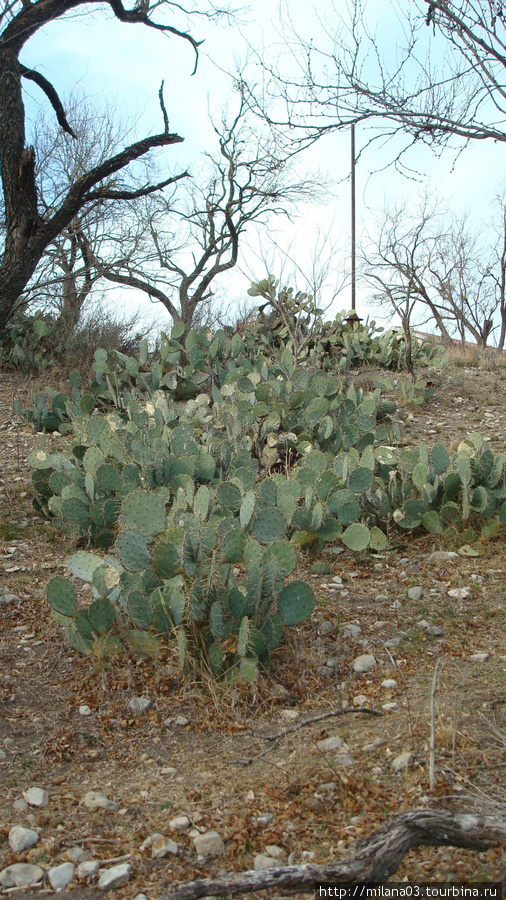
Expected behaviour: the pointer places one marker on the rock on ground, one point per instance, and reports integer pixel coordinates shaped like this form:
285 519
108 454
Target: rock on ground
21 838
209 844
364 663
21 875
111 878
60 876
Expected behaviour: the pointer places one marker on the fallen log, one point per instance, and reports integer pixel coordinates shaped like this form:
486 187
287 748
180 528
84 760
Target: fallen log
377 857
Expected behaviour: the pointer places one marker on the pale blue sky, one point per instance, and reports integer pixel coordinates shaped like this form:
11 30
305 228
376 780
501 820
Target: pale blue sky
108 60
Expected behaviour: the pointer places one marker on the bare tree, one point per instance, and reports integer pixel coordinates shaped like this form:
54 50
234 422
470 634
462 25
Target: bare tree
29 229
444 78
183 245
427 266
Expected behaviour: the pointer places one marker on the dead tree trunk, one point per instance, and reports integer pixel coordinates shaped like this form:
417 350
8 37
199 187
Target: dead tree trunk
377 857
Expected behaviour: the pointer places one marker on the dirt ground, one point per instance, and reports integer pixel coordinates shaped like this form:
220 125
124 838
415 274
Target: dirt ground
221 770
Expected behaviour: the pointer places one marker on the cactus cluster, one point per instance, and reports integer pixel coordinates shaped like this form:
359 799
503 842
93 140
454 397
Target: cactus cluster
205 473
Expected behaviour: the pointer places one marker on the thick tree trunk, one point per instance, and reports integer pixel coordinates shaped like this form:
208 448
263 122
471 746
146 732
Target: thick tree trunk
377 857
17 168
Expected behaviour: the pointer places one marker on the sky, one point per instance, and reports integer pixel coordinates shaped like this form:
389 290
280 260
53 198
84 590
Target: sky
110 61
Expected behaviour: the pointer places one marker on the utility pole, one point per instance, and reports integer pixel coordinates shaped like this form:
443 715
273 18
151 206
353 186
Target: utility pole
353 236
353 318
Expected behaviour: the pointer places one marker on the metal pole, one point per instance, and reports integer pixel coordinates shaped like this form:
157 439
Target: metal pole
353 248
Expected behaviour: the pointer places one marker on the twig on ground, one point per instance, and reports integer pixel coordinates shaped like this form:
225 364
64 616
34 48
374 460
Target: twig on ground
432 753
275 738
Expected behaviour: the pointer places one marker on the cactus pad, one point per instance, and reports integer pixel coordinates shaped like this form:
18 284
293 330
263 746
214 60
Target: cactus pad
296 603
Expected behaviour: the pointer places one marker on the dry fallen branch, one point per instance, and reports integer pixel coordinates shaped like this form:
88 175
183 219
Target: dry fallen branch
376 859
276 738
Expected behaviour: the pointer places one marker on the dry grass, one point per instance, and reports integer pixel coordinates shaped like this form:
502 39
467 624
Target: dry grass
472 357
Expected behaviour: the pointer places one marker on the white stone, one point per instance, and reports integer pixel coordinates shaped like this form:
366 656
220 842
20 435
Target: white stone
345 761
479 657
331 743
209 844
388 707
97 800
262 862
75 855
352 631
290 714
19 805
435 631
84 710
182 720
110 878
381 598
138 705
442 556
160 846
360 700
459 593
60 876
36 797
415 593
389 683
180 823
140 897
21 838
20 875
337 579
403 761
275 851
88 869
168 770
326 628
364 663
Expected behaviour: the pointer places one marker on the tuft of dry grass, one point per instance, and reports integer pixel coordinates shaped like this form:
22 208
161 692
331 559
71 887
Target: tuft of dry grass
472 357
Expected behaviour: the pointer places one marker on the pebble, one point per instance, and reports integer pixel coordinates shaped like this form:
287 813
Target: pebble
415 593
75 855
393 643
21 838
60 876
209 844
182 720
352 631
84 710
442 556
388 707
21 875
7 598
326 628
275 851
331 743
88 869
345 761
377 742
381 598
180 823
36 797
389 683
160 846
337 579
324 671
278 692
434 631
264 819
403 761
360 700
379 626
19 805
459 593
290 714
262 862
364 663
479 657
396 605
138 705
110 878
97 800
